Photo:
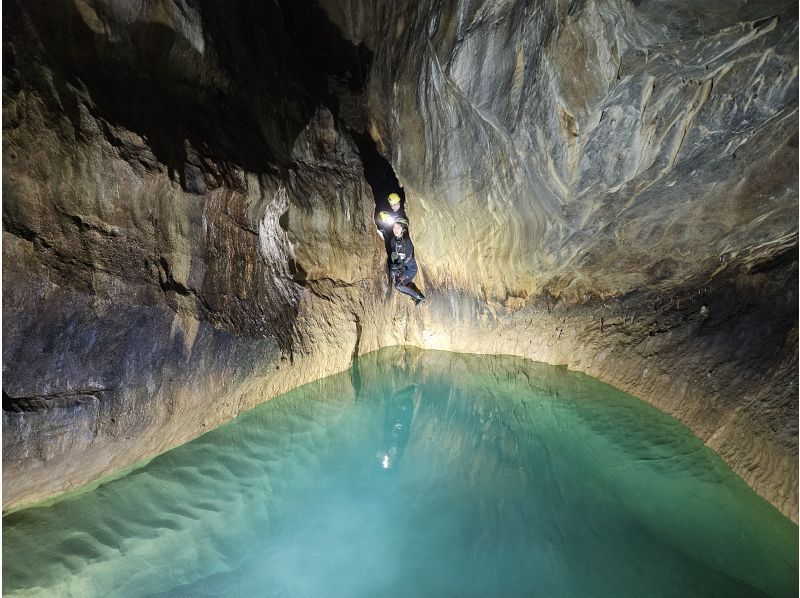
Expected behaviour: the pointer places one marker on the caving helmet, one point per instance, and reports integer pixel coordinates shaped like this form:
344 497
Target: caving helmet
402 222
394 199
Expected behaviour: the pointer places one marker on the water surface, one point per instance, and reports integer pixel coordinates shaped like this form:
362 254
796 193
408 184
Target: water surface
419 473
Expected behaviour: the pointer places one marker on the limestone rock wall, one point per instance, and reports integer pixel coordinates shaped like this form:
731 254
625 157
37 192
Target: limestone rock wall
188 228
588 148
611 186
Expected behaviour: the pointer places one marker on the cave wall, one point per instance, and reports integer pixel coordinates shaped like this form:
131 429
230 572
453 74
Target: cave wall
611 186
605 146
188 228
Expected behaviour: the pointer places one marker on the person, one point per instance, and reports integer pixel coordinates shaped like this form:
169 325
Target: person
402 265
386 219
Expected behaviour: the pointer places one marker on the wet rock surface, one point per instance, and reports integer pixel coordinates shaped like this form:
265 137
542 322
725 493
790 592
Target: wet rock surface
188 225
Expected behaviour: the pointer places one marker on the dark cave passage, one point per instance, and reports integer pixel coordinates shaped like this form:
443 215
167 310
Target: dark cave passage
379 173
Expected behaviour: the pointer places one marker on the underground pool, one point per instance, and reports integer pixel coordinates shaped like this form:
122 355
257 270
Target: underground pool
418 473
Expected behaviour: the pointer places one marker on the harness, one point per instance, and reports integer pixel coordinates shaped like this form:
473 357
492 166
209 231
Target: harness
399 249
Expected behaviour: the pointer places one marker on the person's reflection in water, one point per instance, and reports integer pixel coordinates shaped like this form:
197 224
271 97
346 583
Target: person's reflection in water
397 427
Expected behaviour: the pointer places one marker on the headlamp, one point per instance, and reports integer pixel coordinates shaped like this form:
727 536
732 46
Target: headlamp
388 218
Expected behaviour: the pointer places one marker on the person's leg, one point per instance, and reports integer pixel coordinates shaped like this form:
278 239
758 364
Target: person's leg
403 288
402 282
414 287
411 272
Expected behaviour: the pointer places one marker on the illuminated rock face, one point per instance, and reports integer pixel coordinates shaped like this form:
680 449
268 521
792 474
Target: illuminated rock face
188 230
611 186
589 148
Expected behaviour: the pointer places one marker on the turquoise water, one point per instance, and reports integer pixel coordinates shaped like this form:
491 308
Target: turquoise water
419 473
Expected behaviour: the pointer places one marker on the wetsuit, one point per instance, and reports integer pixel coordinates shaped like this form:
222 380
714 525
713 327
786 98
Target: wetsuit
403 266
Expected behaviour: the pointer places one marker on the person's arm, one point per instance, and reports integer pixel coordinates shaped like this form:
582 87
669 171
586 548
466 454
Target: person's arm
409 251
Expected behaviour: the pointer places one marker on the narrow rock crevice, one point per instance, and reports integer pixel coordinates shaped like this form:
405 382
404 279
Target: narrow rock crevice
63 399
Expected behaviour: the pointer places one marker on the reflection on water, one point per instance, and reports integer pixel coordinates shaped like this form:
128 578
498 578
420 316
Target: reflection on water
419 473
397 426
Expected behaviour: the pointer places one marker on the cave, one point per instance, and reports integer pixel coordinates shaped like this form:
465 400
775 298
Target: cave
378 173
190 198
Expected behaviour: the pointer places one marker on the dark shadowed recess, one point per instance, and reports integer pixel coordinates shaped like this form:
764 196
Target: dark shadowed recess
731 320
275 59
379 173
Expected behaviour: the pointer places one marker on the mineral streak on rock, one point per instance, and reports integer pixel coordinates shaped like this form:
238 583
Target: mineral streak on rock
188 228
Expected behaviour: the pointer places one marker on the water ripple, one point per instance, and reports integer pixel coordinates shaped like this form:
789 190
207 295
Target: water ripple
445 475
